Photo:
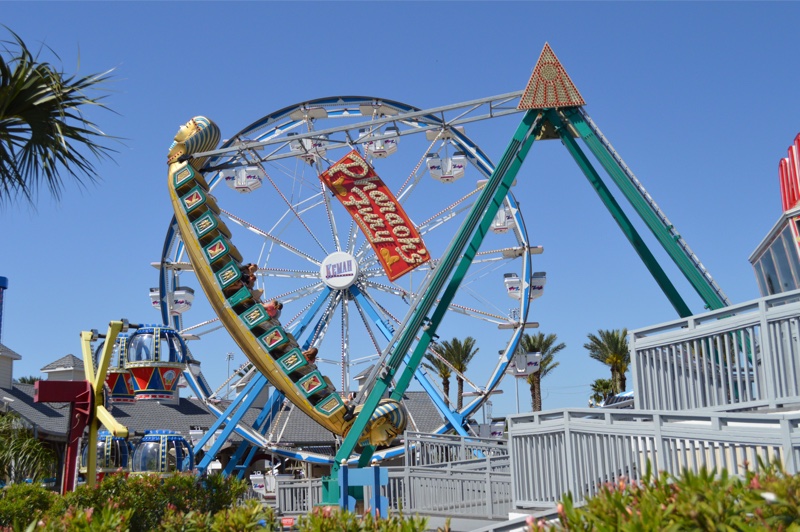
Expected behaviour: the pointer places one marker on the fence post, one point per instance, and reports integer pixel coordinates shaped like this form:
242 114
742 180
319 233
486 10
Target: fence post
489 491
769 352
572 485
788 447
344 487
660 455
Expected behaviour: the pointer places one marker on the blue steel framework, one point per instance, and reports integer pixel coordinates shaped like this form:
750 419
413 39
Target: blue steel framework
318 313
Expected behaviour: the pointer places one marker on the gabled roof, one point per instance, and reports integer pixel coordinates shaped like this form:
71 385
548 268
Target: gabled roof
292 427
423 414
149 415
65 362
364 374
49 418
8 353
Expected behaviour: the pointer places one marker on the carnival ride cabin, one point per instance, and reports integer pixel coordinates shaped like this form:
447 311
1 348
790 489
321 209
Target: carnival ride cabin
162 452
113 454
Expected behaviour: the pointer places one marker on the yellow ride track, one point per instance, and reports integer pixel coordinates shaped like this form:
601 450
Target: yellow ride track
216 262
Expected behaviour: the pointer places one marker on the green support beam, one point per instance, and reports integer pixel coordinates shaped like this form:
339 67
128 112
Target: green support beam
622 220
480 215
665 235
508 176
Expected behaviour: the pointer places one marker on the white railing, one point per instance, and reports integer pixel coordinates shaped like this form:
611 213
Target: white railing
577 451
458 476
450 491
737 358
296 497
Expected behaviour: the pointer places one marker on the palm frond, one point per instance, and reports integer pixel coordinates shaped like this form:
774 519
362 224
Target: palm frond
44 133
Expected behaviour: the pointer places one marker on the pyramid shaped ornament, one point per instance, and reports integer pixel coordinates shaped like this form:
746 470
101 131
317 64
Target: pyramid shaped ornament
550 86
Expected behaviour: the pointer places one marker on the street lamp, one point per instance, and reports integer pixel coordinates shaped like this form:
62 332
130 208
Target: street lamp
229 356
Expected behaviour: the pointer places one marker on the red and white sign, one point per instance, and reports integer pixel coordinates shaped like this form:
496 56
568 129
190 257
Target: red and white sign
789 172
374 208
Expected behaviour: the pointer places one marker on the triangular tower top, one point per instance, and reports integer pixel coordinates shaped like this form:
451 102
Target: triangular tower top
549 86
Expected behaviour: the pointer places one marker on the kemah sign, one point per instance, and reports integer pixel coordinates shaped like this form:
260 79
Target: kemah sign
374 208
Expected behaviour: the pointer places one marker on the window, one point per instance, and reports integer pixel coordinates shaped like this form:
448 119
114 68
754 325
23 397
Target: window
791 252
781 259
147 457
770 275
762 288
139 348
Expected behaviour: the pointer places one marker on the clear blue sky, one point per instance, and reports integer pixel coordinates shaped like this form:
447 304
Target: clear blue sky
700 99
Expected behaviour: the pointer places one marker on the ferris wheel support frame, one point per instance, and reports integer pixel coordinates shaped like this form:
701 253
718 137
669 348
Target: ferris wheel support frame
481 215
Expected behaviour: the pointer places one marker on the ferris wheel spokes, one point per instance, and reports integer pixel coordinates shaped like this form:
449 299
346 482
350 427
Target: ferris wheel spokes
269 236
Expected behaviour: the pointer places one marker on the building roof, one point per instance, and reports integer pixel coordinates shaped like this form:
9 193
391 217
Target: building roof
423 414
364 374
292 428
8 353
48 418
65 362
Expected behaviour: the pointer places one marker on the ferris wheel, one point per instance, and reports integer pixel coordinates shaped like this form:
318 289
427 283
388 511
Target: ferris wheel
316 260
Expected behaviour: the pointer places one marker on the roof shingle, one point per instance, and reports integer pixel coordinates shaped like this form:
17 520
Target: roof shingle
65 362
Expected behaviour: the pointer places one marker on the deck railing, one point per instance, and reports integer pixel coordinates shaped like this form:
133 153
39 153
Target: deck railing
430 449
450 475
577 451
737 358
295 497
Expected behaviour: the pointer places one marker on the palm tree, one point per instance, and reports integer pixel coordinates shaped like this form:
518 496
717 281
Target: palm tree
22 456
30 379
459 354
547 346
43 131
602 389
443 371
611 348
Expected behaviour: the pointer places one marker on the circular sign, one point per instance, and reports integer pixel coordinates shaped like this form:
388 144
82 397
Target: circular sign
339 270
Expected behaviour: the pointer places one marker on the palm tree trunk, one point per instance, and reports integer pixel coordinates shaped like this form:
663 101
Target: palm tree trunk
460 402
446 390
536 392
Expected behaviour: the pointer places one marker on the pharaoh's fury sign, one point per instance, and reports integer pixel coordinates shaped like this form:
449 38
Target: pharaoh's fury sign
376 211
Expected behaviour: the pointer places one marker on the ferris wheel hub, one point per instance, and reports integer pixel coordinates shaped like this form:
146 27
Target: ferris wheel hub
339 270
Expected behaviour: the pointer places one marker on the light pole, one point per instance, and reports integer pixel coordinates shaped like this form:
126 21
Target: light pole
229 356
485 403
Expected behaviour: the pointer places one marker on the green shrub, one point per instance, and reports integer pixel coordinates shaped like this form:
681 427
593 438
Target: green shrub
20 503
765 500
151 498
250 516
329 519
108 518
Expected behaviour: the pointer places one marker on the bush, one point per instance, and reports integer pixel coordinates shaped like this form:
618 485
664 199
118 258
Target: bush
109 518
765 500
330 519
250 516
20 503
150 498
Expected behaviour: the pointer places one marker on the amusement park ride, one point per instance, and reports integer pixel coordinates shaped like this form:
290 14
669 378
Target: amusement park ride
339 241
